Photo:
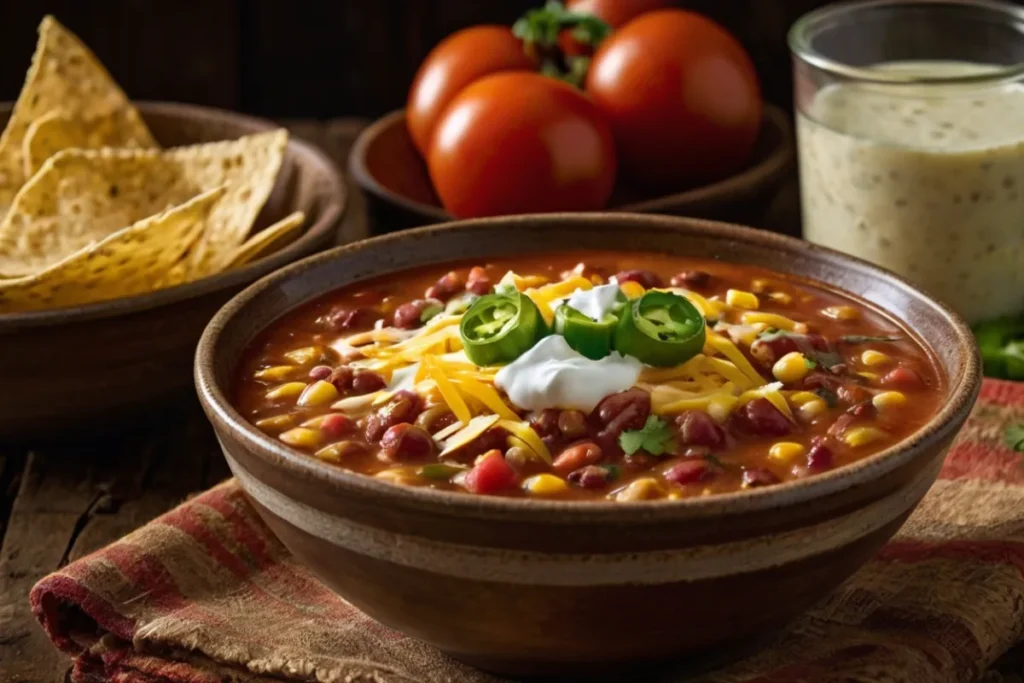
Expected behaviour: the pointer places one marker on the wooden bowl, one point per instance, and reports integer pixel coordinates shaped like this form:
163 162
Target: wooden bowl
391 171
520 586
75 370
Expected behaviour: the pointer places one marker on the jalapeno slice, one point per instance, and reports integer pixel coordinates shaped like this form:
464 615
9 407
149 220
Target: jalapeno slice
588 337
498 328
661 329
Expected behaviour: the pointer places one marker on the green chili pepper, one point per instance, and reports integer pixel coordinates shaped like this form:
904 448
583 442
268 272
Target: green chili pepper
588 337
660 329
498 328
1001 343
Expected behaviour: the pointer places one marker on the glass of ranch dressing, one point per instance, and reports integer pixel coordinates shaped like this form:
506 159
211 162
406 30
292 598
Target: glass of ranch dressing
910 128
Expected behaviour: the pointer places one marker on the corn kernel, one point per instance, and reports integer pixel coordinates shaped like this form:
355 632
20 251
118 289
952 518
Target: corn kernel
305 356
314 422
646 488
286 390
870 376
872 357
799 398
861 436
889 399
318 393
397 475
769 320
545 485
276 423
781 298
791 368
301 437
741 299
812 409
675 495
759 286
277 373
337 452
841 312
801 328
632 290
786 451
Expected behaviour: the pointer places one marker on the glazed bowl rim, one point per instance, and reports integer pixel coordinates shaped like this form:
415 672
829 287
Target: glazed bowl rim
777 159
330 214
961 393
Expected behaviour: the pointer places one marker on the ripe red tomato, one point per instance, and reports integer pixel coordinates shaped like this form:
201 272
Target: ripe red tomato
454 63
615 13
518 142
682 98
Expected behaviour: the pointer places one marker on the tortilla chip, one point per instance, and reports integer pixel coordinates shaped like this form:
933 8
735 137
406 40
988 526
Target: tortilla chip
47 136
66 77
268 240
130 261
81 196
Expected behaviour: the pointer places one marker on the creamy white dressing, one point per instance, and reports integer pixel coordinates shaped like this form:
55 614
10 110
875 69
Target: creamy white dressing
594 303
553 375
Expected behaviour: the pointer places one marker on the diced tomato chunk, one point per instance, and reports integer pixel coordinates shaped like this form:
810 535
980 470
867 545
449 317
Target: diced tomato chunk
337 425
491 474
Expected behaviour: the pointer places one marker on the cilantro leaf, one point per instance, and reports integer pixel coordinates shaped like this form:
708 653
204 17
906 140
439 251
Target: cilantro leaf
654 438
1014 437
810 363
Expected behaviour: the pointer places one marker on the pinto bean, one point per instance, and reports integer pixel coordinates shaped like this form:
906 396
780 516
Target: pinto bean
404 406
691 279
697 428
572 424
591 477
645 278
404 441
758 476
449 284
577 456
761 418
435 418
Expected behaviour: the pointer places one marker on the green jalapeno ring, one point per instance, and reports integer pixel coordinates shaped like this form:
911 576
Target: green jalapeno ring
660 329
498 328
586 336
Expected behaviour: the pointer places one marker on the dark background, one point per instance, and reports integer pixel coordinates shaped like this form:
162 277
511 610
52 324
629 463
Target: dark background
312 58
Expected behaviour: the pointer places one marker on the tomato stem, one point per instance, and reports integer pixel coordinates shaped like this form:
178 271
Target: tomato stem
540 30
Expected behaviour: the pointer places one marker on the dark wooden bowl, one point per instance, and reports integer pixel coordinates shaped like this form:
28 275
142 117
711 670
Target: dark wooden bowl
569 588
388 168
75 370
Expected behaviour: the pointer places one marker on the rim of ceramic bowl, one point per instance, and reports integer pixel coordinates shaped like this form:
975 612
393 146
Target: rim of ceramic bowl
778 159
962 390
329 216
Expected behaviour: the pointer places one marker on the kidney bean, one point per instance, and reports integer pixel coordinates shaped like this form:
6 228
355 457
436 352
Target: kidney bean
344 318
689 472
320 372
853 394
697 428
404 406
435 418
449 284
758 476
342 377
366 381
841 424
576 456
691 279
336 426
638 460
819 458
545 423
479 282
408 315
404 441
625 410
645 278
761 418
902 378
591 477
572 424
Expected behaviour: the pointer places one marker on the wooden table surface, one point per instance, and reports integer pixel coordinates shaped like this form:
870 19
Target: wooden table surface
58 504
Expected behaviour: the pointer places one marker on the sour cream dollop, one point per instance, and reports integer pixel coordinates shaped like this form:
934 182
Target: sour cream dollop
594 303
552 375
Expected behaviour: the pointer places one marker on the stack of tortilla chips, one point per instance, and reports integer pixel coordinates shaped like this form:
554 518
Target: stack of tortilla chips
91 208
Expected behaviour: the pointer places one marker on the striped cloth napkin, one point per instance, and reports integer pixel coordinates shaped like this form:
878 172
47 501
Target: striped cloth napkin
206 594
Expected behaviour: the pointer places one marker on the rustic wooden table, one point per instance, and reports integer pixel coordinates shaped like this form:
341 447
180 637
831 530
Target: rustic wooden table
58 504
